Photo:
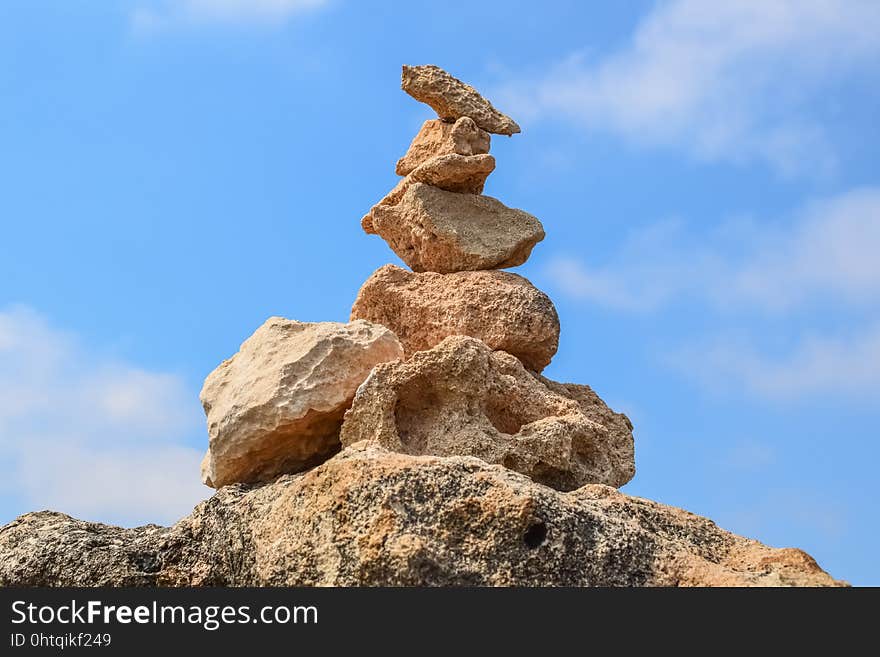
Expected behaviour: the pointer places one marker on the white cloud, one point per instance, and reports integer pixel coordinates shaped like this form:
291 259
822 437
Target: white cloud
735 80
831 251
817 365
91 436
826 253
822 261
174 12
647 271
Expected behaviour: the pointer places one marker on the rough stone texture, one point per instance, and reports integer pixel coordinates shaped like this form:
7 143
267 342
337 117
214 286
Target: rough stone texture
368 517
277 405
618 425
503 310
451 98
455 173
431 229
464 174
438 137
463 399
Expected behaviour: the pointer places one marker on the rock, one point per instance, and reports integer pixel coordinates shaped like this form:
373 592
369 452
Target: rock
618 425
454 173
503 310
465 174
438 137
277 405
452 99
463 399
431 229
368 517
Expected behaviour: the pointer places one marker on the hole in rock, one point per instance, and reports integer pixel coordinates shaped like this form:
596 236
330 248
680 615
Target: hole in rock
535 535
504 418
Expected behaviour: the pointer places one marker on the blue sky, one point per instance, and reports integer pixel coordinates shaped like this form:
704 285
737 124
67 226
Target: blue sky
173 173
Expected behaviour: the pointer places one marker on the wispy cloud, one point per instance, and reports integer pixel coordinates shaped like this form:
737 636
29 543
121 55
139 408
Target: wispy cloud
89 435
819 263
827 251
164 13
735 80
816 365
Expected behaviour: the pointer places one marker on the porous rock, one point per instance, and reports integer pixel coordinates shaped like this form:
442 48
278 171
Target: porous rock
452 99
277 405
617 424
438 137
368 517
431 229
502 309
463 399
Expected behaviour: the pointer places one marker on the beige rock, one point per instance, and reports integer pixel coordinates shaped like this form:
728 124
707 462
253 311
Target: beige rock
463 399
503 310
277 405
431 229
618 425
438 137
454 173
368 517
451 98
465 174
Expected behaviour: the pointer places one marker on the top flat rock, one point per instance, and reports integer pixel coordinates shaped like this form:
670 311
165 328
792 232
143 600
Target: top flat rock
452 99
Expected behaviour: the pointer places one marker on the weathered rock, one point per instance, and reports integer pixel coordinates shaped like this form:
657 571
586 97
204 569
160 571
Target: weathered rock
368 517
438 137
277 405
451 98
431 229
465 174
618 425
503 310
463 399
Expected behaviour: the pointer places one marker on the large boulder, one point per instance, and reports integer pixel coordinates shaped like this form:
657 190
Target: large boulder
451 98
463 399
438 137
432 229
368 517
277 405
503 310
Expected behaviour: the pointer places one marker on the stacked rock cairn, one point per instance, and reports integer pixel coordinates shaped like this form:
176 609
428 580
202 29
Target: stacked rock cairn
442 360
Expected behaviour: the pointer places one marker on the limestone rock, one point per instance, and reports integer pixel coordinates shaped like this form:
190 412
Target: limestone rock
451 98
431 229
465 174
454 173
277 405
503 310
618 425
463 399
438 137
368 517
